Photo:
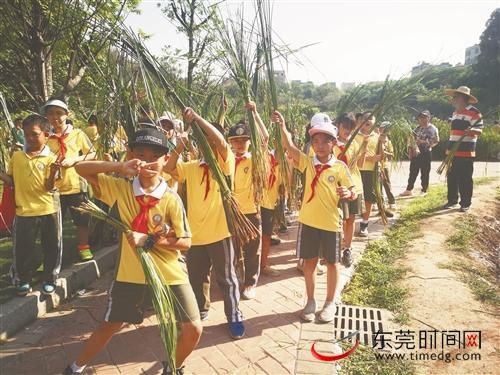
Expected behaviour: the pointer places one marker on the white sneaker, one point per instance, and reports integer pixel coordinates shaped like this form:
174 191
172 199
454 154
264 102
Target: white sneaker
320 269
406 193
249 292
327 314
309 312
269 271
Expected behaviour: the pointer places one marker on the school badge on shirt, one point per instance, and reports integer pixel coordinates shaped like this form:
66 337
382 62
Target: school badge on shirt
331 179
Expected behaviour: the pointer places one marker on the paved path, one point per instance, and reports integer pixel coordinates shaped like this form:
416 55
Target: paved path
276 341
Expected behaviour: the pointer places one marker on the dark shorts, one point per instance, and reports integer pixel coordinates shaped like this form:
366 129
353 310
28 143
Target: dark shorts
314 243
368 187
267 217
127 302
356 206
74 200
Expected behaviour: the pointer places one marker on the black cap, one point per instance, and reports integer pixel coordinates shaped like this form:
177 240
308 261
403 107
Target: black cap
150 137
239 130
425 113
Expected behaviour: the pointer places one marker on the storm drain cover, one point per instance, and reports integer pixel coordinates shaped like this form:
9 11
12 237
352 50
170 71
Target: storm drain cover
367 321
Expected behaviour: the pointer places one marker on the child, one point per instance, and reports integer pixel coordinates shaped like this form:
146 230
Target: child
92 130
239 138
147 205
388 154
346 123
327 181
211 243
367 168
267 209
71 146
32 172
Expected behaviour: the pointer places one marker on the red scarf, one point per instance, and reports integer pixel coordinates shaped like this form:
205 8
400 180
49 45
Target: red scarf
206 178
140 223
272 175
61 139
342 155
320 168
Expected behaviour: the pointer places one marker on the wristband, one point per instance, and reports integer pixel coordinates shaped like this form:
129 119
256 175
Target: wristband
150 242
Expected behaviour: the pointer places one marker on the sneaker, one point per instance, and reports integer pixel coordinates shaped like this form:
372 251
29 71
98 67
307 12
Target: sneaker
69 371
346 259
363 229
464 209
309 311
48 288
327 314
85 255
406 193
269 271
388 213
423 192
236 330
168 371
320 269
249 292
449 205
203 315
23 289
275 241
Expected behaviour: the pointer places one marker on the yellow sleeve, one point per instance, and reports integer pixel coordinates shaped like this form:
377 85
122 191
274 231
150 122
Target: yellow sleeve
345 177
303 160
181 171
84 143
178 219
227 165
108 186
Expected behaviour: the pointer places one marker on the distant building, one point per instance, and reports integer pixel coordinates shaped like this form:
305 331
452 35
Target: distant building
471 54
347 86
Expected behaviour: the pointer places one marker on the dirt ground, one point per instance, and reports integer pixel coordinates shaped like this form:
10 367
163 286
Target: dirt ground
440 300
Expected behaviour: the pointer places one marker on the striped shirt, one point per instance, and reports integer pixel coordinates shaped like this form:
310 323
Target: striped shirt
461 121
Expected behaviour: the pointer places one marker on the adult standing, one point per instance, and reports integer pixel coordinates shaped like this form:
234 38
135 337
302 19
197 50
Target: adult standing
466 122
426 136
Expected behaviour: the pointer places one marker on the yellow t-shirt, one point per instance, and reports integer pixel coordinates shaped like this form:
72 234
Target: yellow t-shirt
322 211
371 150
169 211
270 194
92 133
354 171
30 174
243 185
206 216
76 142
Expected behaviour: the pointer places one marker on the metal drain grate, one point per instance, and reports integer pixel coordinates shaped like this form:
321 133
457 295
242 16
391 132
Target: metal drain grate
366 320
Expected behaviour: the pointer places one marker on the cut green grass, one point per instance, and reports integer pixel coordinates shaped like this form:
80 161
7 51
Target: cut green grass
376 281
462 238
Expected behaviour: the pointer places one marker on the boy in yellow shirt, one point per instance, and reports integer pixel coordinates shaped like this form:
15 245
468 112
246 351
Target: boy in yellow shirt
327 181
32 172
239 138
71 146
158 221
346 123
211 243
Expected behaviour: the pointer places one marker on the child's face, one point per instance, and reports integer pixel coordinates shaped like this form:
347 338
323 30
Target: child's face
57 116
240 145
35 137
344 131
322 144
153 157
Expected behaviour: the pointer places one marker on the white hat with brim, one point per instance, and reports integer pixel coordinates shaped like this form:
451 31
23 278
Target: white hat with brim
464 90
55 103
325 128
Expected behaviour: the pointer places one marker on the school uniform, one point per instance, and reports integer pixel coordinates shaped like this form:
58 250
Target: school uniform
320 222
270 196
367 171
160 210
211 239
37 212
355 206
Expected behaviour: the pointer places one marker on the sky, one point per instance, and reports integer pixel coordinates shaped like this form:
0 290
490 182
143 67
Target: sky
356 41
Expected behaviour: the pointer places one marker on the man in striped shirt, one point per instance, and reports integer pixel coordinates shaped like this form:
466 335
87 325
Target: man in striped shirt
466 125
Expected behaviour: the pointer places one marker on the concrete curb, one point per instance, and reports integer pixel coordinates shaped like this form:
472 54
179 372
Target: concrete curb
19 312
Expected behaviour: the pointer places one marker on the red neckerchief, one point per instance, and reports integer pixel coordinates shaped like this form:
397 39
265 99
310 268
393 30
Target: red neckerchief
140 223
320 168
206 178
61 140
342 156
272 174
